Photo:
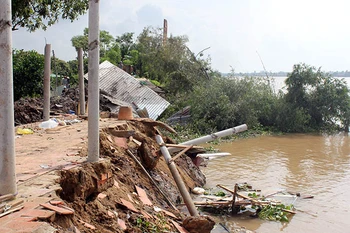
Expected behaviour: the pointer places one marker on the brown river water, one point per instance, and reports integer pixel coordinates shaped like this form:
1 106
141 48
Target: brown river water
317 165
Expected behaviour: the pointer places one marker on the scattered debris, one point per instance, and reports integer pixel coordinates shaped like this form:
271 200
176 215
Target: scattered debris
24 131
181 117
10 207
276 206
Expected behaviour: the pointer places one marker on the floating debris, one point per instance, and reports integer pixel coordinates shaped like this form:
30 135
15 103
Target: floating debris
277 206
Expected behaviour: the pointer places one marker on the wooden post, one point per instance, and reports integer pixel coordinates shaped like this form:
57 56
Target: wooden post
178 180
7 138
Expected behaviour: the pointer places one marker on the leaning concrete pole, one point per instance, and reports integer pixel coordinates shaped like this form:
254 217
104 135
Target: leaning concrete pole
81 82
177 177
94 93
47 73
7 137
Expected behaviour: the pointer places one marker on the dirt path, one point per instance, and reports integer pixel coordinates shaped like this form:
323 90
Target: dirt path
51 149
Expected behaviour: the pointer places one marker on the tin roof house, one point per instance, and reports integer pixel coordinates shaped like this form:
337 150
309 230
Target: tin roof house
124 87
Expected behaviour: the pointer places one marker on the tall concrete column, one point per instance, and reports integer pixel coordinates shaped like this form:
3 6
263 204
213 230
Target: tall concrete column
94 91
81 81
47 73
7 135
165 32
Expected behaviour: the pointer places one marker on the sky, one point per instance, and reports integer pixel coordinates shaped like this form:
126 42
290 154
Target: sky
282 32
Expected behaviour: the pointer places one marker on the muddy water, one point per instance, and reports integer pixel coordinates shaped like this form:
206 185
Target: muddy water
310 164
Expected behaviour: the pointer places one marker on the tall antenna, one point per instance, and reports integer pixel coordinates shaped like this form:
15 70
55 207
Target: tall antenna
263 65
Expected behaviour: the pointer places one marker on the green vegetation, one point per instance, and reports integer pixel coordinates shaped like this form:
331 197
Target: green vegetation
158 226
275 212
28 71
220 194
253 195
314 101
36 14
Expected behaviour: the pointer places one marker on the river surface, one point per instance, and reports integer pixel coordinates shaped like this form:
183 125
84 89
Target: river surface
277 82
317 165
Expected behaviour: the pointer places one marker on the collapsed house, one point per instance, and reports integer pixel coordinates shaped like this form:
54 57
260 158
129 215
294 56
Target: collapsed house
116 84
117 88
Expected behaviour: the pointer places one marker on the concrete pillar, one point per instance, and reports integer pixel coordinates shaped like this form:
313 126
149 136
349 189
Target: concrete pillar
177 177
165 32
81 81
47 73
7 135
94 91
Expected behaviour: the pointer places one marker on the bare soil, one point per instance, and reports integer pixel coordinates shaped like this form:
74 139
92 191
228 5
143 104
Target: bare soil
82 185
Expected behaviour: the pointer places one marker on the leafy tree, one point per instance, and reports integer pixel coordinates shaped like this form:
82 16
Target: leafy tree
125 42
73 66
106 42
113 55
109 50
222 103
81 42
60 67
172 64
38 14
28 71
314 101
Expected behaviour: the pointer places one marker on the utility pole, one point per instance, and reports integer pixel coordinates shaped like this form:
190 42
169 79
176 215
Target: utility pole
54 62
7 135
81 81
47 73
94 91
165 32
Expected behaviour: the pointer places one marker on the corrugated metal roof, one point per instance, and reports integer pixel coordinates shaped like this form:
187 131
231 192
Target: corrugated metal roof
125 87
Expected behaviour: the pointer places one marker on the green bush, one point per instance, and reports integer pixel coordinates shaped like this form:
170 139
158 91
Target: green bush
227 102
28 72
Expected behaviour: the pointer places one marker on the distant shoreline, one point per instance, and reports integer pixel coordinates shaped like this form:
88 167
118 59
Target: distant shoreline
342 74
